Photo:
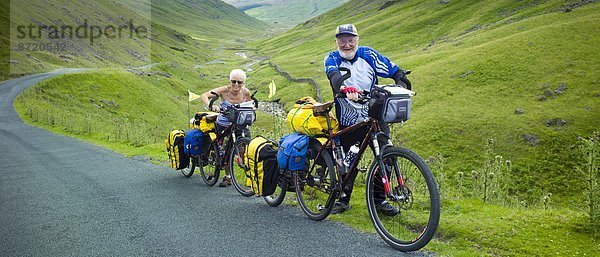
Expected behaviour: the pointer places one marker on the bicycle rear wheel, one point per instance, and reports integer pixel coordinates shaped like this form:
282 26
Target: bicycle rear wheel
189 170
209 168
314 187
277 197
237 168
417 199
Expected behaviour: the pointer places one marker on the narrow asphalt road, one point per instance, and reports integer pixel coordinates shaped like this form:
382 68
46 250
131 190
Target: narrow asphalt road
60 196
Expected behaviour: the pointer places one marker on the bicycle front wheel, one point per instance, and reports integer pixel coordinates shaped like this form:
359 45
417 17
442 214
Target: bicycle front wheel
314 187
412 191
209 168
277 197
237 168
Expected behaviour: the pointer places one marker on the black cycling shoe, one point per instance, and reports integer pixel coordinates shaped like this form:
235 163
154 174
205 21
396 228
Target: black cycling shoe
387 209
340 207
225 182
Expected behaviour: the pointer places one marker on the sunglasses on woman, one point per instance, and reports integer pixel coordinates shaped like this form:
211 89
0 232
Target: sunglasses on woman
239 82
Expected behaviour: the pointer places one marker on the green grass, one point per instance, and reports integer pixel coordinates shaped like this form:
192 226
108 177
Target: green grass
468 227
108 105
287 91
129 113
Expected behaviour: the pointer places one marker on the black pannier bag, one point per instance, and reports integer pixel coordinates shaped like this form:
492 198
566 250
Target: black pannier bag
390 103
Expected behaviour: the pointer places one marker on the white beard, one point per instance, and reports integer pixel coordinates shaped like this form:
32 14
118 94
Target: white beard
348 56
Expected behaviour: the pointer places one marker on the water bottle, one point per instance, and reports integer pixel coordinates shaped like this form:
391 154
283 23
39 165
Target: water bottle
220 147
351 155
339 156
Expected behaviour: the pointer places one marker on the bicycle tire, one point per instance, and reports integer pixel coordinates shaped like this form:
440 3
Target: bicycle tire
277 197
189 170
314 187
237 168
210 168
418 200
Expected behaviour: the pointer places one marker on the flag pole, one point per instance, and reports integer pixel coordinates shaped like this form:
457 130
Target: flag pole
188 113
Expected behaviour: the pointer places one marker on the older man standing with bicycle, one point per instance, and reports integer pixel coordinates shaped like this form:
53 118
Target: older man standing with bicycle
366 65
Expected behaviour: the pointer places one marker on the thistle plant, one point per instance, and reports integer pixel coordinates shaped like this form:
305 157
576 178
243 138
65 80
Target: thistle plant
492 181
591 174
546 200
436 163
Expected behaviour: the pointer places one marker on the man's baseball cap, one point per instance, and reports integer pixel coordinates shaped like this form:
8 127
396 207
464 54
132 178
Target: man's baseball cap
348 29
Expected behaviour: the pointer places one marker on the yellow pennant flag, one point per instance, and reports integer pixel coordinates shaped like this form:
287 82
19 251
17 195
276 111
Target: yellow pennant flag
272 89
192 96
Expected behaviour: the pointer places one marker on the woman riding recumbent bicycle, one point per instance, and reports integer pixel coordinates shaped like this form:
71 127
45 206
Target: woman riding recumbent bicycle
397 175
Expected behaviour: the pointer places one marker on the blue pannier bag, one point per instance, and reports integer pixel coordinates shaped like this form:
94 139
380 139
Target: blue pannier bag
292 152
193 142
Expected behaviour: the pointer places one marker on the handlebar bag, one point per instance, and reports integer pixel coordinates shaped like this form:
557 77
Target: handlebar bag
242 114
390 104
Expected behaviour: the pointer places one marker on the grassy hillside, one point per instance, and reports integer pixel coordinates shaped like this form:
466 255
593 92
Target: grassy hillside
203 19
170 30
286 13
4 40
130 112
475 63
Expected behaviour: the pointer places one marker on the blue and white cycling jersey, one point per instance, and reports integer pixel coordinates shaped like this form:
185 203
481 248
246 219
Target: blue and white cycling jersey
366 67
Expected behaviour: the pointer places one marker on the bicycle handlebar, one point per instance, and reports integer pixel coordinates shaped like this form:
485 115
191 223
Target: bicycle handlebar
216 96
254 99
363 96
212 100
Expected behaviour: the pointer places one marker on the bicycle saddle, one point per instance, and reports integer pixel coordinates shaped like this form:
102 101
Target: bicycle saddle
320 109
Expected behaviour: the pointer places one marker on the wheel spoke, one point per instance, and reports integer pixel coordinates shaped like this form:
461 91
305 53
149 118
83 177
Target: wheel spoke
208 163
314 187
417 200
237 169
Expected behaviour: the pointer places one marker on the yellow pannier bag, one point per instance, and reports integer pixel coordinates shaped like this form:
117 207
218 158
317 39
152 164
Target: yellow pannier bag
302 120
204 121
262 171
175 150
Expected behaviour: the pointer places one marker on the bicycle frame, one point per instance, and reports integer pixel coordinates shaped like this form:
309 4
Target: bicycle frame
373 133
229 132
